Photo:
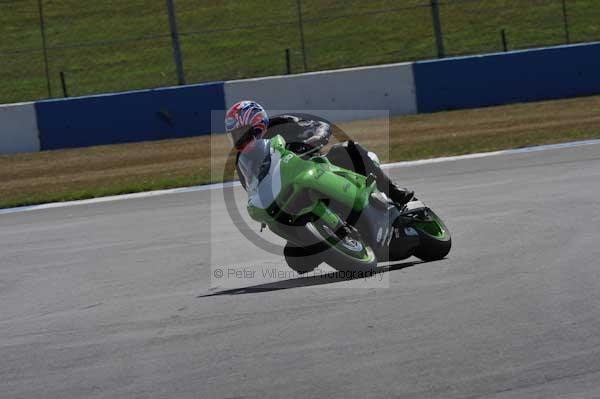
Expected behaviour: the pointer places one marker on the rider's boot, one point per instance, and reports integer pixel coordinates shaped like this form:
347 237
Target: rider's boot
400 195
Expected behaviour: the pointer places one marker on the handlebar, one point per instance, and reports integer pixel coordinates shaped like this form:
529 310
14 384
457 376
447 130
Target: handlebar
303 150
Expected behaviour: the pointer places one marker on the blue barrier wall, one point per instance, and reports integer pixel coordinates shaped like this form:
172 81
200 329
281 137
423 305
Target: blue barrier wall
128 117
453 83
520 76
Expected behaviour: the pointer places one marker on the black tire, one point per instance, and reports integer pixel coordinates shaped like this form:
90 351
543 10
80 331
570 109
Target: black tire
350 254
300 260
435 241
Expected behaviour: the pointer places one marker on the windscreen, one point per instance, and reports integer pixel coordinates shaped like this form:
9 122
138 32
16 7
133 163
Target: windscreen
255 162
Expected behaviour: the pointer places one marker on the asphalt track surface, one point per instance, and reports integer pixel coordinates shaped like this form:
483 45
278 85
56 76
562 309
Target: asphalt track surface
119 299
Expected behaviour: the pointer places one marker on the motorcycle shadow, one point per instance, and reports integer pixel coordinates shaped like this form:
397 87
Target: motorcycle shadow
330 278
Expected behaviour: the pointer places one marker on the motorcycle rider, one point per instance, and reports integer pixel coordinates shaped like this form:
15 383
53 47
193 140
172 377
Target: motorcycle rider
247 120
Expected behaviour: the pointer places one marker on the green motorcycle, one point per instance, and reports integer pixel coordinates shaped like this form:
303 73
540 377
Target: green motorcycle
333 215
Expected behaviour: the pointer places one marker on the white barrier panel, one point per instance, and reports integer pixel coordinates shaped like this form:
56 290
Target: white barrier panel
384 87
18 128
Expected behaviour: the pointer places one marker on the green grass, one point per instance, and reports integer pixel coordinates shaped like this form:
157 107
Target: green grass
108 189
94 42
470 145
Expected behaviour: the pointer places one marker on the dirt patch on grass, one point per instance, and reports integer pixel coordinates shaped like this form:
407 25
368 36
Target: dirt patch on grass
104 170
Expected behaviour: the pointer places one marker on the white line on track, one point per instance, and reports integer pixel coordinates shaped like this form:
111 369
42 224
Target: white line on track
491 154
217 186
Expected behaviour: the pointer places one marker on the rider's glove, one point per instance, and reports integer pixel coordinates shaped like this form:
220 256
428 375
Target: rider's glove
315 141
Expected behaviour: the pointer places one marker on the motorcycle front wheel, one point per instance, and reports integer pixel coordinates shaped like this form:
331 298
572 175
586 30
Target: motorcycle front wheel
299 259
343 252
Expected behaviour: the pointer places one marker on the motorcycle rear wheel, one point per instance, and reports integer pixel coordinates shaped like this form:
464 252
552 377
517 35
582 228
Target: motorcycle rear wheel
434 238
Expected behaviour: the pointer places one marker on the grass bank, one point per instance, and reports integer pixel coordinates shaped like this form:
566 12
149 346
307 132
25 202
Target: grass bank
106 46
64 175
